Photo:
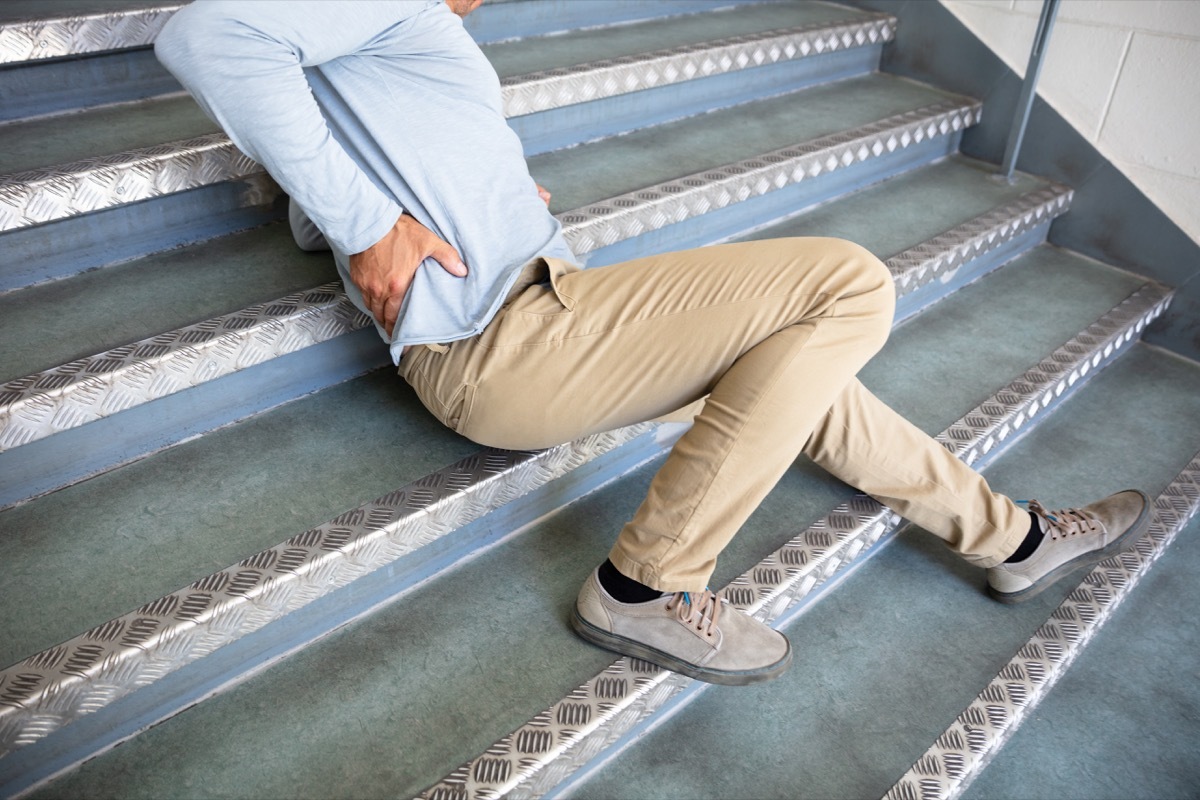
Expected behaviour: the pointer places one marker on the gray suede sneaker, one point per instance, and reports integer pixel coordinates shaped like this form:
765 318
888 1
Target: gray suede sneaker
698 635
1075 537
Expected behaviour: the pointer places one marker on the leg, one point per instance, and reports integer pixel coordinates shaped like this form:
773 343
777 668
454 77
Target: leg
771 331
869 446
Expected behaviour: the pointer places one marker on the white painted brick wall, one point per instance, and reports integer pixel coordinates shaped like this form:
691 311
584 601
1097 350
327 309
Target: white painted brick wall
1126 74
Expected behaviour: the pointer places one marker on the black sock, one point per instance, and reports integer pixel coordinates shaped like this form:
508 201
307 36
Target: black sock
623 589
1032 540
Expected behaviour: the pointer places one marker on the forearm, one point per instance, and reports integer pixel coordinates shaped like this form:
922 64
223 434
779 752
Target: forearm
243 62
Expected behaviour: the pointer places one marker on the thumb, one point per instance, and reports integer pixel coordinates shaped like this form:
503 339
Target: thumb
448 257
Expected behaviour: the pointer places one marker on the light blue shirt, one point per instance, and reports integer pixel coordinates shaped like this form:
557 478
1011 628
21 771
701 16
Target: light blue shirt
362 109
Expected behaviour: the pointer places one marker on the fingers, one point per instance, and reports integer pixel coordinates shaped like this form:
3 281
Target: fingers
545 195
384 272
447 256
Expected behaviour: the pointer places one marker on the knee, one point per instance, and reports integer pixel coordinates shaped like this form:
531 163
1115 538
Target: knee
866 280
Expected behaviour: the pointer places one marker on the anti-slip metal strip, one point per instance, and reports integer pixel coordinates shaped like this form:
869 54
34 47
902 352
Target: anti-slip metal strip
644 210
580 728
36 406
44 195
960 754
73 394
30 40
50 689
940 257
564 86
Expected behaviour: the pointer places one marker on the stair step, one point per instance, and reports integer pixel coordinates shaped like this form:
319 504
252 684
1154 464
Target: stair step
580 86
146 164
973 739
1147 723
895 653
595 721
1104 283
23 518
632 224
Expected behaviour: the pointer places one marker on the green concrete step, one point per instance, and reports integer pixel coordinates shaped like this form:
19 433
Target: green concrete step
905 644
556 546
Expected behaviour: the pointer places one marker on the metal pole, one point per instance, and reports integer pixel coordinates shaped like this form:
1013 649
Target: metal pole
1025 103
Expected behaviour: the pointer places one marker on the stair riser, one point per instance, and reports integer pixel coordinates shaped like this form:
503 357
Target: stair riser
737 218
54 87
561 127
68 457
77 244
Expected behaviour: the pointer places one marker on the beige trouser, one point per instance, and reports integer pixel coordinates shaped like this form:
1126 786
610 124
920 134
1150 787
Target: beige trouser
772 332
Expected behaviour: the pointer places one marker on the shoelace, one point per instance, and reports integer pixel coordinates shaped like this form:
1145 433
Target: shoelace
1064 522
703 613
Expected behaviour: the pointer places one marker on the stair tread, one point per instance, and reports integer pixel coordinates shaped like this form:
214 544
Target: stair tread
53 141
105 546
1148 722
908 641
881 218
578 47
592 172
103 309
402 703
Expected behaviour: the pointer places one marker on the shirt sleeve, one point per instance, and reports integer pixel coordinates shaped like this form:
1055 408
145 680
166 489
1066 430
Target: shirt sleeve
244 60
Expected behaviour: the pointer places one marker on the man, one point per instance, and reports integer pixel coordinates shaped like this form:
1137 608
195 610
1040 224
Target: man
383 121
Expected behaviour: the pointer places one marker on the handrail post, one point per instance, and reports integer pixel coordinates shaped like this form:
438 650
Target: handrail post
1025 102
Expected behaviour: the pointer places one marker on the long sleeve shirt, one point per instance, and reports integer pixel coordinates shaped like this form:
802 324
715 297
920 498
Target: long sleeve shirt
362 110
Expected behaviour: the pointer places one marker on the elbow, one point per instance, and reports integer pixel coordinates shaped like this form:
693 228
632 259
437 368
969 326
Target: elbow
197 34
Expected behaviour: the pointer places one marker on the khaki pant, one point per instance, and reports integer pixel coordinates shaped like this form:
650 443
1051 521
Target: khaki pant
772 333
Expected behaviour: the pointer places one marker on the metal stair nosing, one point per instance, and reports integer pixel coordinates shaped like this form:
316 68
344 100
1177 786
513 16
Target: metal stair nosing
960 754
36 197
559 747
558 107
73 35
720 203
35 407
86 661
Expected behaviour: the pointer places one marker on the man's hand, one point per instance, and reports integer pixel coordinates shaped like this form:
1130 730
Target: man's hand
384 272
542 193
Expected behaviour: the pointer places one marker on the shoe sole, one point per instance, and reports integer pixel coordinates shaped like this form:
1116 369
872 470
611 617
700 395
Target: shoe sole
1118 545
628 647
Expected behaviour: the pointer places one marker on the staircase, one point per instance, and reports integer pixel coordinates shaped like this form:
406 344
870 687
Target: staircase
217 498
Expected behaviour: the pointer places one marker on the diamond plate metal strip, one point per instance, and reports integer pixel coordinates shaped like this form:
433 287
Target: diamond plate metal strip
52 688
564 86
960 754
38 196
36 406
644 210
940 257
978 433
73 394
558 742
34 39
